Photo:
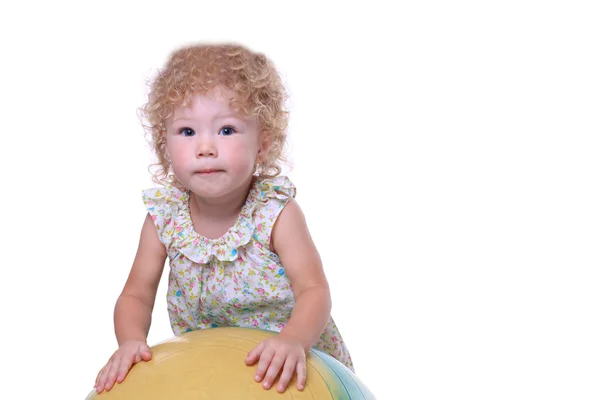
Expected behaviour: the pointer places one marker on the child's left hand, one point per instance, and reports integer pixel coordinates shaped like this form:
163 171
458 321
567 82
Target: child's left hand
279 353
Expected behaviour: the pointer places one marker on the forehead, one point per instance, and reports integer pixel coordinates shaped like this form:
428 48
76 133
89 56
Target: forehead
213 102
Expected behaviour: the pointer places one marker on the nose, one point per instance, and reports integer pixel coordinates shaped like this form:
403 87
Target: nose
205 146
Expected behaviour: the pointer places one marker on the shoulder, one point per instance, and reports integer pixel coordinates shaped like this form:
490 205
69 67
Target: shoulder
164 196
164 205
290 215
290 226
269 196
279 187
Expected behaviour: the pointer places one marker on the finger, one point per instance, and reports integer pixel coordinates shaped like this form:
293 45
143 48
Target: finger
97 378
111 374
301 373
124 368
102 376
274 368
286 374
100 380
143 354
265 359
254 354
146 353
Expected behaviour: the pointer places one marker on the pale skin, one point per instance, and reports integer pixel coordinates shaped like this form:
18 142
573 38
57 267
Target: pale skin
213 153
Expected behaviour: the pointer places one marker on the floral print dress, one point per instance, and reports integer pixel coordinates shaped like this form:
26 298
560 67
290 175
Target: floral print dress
234 280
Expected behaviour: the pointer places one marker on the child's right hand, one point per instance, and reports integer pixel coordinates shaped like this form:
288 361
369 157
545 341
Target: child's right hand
117 367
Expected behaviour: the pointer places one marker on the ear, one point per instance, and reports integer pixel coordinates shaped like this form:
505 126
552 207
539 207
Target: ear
263 151
163 145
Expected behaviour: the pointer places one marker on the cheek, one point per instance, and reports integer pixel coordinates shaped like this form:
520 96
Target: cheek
243 155
177 153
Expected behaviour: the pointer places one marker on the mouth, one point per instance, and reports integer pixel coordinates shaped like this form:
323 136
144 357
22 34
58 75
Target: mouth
208 171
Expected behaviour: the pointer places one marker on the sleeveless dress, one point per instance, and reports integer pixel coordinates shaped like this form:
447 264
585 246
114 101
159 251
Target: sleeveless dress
234 280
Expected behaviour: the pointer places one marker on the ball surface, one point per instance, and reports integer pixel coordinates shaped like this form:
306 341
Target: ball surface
209 364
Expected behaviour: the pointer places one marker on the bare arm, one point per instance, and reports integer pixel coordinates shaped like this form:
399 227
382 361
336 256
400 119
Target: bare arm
293 244
133 310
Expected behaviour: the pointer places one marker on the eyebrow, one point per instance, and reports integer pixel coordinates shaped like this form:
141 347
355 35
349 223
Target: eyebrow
219 116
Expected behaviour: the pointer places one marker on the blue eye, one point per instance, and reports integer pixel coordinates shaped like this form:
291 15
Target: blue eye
187 132
226 131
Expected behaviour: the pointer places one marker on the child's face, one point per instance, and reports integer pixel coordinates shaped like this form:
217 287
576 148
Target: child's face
213 150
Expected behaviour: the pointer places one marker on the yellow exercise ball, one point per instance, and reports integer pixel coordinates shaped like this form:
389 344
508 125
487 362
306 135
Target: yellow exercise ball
209 364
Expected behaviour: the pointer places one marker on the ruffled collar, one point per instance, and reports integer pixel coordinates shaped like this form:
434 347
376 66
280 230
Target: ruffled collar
200 249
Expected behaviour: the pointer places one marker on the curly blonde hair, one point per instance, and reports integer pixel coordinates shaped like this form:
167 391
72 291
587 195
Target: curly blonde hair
257 91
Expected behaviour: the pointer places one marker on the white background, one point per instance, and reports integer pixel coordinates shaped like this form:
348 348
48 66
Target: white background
446 156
